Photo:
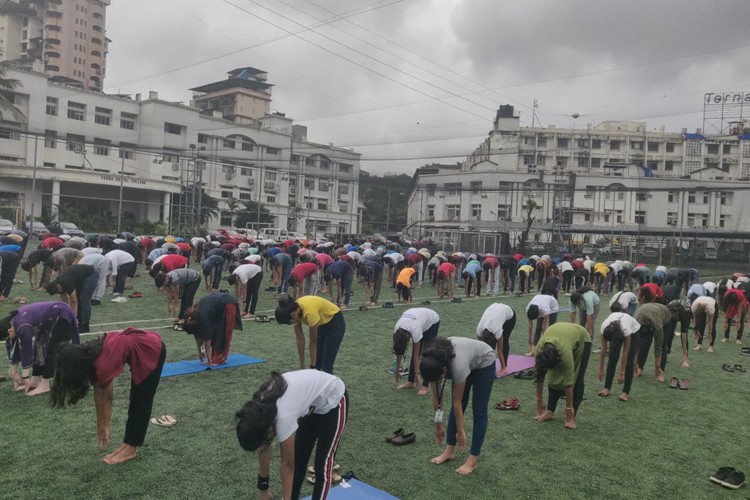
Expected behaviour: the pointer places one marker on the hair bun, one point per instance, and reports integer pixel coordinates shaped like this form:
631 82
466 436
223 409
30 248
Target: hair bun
284 298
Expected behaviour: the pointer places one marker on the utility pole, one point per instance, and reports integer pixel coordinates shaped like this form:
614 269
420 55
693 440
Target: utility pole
33 186
122 179
388 214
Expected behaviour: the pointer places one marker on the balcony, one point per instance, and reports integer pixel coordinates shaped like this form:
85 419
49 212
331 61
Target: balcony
52 53
51 12
96 40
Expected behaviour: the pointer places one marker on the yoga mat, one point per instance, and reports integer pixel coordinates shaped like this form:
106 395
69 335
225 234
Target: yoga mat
352 489
517 363
194 366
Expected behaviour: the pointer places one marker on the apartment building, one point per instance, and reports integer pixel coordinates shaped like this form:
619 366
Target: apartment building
66 39
83 148
584 183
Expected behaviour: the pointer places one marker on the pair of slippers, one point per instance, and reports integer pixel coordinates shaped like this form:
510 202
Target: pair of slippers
136 295
679 383
509 404
728 477
425 302
21 299
525 374
271 289
399 437
457 300
164 421
735 368
262 318
745 351
388 305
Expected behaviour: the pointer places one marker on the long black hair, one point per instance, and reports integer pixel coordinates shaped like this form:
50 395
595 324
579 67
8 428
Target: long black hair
546 358
612 330
400 341
5 324
258 414
438 356
489 338
729 300
74 372
287 305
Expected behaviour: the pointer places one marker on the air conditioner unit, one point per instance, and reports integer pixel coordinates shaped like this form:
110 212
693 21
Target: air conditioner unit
588 196
230 175
175 166
671 221
251 182
78 148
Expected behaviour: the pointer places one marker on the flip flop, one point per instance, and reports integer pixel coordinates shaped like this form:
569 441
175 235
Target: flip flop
311 469
528 375
164 421
727 368
393 435
335 479
674 383
136 295
456 300
509 404
740 368
684 384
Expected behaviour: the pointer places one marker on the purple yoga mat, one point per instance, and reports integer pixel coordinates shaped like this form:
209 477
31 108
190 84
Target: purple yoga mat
517 363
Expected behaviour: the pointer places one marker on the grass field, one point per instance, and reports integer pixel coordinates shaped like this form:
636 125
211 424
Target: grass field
663 444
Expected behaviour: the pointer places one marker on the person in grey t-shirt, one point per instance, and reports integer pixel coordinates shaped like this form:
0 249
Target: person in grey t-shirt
468 363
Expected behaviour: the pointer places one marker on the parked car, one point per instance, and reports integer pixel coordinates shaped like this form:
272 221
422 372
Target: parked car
35 229
6 226
536 247
65 228
586 250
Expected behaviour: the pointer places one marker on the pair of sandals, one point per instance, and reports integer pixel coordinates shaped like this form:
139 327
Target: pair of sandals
270 289
525 374
262 318
679 383
509 404
164 421
457 300
735 368
388 305
335 477
399 437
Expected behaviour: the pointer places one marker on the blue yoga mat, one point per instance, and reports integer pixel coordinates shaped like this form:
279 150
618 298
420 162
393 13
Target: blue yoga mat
359 490
195 366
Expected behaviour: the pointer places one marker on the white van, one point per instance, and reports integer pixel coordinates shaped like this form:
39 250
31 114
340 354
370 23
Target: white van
278 234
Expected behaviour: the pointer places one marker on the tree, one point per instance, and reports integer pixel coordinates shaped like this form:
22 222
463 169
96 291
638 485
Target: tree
253 214
293 217
234 206
529 219
382 214
7 85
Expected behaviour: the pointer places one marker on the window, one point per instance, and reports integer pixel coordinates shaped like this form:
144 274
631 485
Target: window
562 142
653 165
323 185
272 151
745 150
671 146
693 148
503 211
705 198
127 151
431 189
587 217
583 143
325 164
724 220
227 194
101 146
309 182
343 188
453 188
692 166
322 204
270 199
202 139
9 133
562 161
229 143
310 161
745 173
636 145
476 211
640 216
596 144
75 142
712 149
50 139
172 128
127 120
653 147
76 111
691 196
614 145
672 218
727 149
528 141
52 106
691 220
270 175
453 212
245 171
619 216
430 212
668 166
541 141
345 168
476 187
225 220
726 198
596 162
672 196
246 196
103 116
583 162
620 196
247 145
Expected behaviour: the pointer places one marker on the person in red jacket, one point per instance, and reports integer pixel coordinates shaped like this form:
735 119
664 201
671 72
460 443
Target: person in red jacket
304 279
735 305
650 292
446 276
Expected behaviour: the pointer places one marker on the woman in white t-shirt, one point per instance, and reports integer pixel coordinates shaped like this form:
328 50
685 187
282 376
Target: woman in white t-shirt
621 331
298 408
470 364
624 302
420 326
705 314
494 329
543 309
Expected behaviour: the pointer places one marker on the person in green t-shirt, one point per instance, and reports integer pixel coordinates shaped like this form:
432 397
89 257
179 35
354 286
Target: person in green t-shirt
562 356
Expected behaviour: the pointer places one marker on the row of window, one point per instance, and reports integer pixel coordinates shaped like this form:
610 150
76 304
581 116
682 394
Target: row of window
693 147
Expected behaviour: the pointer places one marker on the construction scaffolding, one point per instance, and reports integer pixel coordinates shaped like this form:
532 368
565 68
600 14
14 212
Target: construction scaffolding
190 207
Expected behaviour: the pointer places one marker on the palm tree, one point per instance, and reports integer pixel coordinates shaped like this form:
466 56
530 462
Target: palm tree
529 207
234 206
7 85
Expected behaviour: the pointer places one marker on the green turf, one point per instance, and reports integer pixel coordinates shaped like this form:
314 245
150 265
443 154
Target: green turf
664 443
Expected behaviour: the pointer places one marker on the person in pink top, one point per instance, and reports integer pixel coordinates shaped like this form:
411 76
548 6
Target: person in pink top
304 279
98 363
446 276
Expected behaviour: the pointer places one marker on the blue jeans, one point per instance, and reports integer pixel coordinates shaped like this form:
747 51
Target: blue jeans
330 336
286 270
481 379
346 284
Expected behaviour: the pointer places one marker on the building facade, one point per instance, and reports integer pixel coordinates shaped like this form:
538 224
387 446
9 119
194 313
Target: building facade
98 153
580 185
66 39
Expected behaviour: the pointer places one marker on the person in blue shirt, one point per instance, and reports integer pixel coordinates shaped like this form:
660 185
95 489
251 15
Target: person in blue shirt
473 274
372 274
342 274
281 266
212 268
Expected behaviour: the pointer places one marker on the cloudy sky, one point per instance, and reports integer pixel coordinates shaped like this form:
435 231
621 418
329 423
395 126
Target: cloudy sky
412 82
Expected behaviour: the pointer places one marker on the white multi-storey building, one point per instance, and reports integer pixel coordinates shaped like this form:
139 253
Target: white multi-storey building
84 148
616 178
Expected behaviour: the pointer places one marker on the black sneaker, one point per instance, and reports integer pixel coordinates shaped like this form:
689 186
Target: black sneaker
720 475
735 480
95 302
745 351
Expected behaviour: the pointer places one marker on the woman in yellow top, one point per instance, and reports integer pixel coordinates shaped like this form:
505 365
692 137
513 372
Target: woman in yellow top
326 325
600 276
524 278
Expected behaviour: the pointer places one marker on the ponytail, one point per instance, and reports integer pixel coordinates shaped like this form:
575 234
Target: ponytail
400 341
489 338
287 306
547 358
437 357
256 417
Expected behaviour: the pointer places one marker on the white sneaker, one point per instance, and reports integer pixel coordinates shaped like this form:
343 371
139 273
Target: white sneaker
120 299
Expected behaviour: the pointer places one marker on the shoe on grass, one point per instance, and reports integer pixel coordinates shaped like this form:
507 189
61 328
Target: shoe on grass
720 475
734 480
120 299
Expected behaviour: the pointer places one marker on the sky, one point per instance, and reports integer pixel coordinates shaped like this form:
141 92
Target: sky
413 82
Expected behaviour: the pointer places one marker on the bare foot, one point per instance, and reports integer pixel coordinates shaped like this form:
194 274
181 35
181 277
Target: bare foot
660 376
604 393
445 456
710 349
698 347
112 455
407 385
42 388
623 397
685 364
547 415
571 424
468 466
637 372
127 453
423 391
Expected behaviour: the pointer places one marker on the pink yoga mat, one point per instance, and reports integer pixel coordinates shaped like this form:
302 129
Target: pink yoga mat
517 363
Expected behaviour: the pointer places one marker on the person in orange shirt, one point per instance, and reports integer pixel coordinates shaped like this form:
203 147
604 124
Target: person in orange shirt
403 283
